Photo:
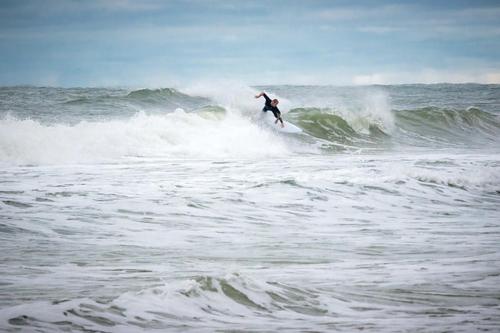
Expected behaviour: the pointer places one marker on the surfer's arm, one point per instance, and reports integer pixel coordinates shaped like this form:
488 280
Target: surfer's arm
268 100
281 120
278 117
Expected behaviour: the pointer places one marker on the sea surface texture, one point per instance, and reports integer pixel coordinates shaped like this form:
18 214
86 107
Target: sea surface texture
179 210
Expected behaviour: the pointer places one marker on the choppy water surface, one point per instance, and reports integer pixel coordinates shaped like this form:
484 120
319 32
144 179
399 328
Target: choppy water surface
141 210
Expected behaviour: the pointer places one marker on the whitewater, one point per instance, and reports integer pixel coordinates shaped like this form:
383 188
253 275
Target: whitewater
180 210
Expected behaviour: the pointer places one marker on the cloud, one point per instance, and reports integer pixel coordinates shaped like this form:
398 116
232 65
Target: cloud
374 78
492 78
416 21
107 5
362 12
49 79
128 5
317 42
380 29
140 32
429 76
476 14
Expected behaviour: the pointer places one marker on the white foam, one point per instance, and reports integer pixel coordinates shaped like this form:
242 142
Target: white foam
373 108
177 134
235 96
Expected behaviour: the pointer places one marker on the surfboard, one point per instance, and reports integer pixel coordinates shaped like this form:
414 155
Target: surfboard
269 119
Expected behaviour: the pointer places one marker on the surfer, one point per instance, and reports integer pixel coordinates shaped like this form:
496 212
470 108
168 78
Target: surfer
271 105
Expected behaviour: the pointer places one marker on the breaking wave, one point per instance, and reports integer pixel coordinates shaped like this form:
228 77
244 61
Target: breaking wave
207 134
48 125
419 127
440 125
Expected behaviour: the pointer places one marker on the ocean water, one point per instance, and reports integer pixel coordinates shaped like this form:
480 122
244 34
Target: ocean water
178 210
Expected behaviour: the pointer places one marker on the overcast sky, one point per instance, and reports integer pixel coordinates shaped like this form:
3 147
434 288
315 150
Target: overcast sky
164 43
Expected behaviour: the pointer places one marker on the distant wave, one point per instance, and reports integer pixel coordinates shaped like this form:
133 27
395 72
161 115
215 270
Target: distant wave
162 95
168 98
446 119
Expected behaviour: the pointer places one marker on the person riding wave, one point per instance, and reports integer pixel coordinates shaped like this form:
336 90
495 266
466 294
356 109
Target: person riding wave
271 105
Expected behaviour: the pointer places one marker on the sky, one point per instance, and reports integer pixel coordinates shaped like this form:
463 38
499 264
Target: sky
164 43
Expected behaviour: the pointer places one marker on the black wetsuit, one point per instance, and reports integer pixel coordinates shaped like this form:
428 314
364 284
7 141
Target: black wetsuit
269 107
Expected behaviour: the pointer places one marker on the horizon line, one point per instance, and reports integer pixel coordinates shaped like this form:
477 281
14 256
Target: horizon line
29 85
